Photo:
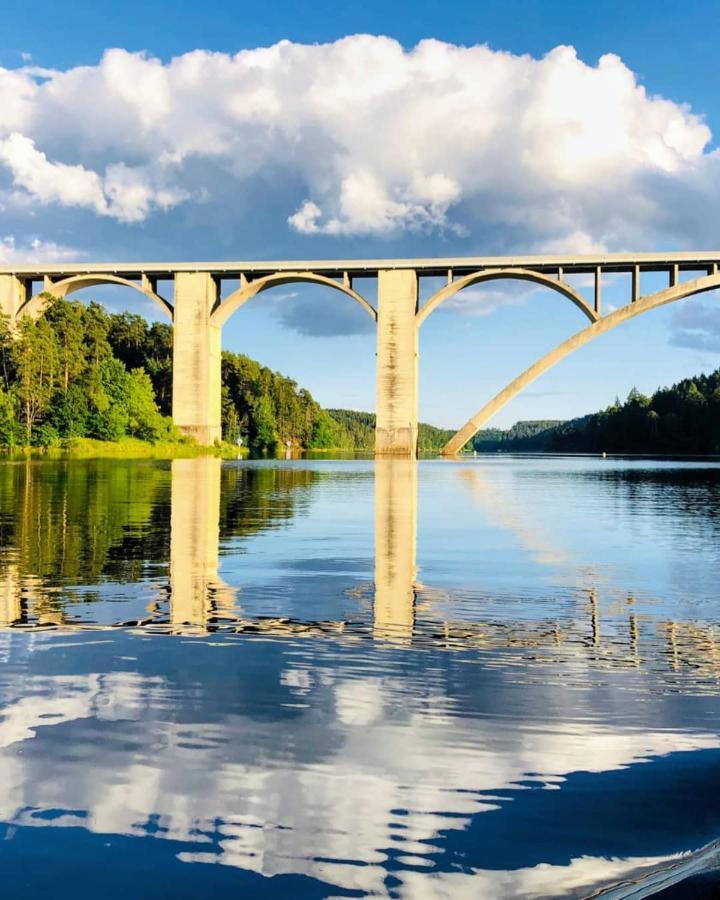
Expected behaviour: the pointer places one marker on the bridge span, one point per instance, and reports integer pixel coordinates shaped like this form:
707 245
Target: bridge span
200 304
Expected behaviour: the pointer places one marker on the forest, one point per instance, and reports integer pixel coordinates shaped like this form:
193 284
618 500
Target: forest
524 436
681 419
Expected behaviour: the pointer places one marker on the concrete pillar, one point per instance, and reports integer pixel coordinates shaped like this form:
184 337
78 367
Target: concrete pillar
13 294
397 364
395 548
194 538
196 358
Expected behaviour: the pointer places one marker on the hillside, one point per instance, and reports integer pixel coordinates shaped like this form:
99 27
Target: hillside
361 428
532 435
684 418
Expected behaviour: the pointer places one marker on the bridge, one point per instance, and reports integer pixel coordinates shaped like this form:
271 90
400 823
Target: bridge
205 296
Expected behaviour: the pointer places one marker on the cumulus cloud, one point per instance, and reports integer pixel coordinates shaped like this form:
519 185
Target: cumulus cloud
696 326
362 137
122 192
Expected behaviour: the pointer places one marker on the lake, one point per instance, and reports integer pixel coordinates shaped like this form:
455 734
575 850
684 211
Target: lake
494 677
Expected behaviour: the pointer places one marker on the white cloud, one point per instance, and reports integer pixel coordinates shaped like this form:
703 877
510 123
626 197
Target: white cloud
34 251
123 192
363 137
483 300
305 811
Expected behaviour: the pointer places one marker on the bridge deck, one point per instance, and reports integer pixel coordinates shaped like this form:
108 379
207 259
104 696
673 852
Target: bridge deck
617 262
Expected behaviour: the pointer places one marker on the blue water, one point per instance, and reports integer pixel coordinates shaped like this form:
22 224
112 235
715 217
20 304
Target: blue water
498 677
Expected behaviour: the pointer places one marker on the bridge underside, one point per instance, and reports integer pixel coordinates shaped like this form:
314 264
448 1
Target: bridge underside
198 314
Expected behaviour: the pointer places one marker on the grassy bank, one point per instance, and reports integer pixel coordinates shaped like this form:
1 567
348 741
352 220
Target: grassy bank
128 448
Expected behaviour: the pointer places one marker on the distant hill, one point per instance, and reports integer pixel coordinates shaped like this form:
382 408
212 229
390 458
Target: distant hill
361 427
534 435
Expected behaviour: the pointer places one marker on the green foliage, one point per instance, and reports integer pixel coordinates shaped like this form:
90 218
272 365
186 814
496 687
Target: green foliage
140 345
9 435
266 408
360 427
63 382
264 435
684 418
526 436
327 433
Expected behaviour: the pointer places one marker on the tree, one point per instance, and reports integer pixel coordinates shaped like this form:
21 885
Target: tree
35 360
265 433
8 422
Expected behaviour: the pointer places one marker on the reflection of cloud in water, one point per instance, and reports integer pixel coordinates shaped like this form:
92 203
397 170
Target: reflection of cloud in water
371 779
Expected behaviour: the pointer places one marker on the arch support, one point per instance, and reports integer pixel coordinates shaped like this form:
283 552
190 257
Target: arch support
396 425
644 304
196 358
247 291
512 273
34 306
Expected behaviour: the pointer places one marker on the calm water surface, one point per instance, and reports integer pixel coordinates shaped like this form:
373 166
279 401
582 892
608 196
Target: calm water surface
496 678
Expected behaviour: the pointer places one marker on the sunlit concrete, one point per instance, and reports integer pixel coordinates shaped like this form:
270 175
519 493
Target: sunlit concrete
196 358
396 428
13 293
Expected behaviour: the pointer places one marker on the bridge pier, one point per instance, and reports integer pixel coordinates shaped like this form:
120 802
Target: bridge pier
396 429
12 295
196 406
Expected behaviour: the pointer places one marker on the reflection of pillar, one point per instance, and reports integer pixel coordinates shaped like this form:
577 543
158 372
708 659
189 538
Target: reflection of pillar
196 358
396 427
594 617
194 538
10 609
395 553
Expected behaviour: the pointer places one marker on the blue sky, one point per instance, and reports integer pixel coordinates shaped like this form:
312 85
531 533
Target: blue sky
382 148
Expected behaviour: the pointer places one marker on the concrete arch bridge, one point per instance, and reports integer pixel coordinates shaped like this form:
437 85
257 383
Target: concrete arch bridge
200 307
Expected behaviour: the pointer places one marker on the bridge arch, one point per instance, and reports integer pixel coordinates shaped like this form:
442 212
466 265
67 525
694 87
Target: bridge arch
61 289
223 311
573 343
512 273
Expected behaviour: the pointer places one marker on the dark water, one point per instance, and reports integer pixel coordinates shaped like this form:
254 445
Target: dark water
493 678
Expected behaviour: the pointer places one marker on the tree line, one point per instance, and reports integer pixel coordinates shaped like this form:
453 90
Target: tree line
681 419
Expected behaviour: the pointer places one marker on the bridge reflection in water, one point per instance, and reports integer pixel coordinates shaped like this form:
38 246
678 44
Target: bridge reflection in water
195 600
